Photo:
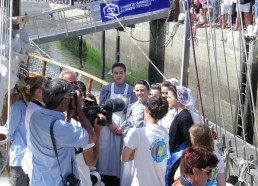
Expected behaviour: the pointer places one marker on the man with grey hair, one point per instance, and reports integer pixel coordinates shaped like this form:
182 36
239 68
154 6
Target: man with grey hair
69 76
47 169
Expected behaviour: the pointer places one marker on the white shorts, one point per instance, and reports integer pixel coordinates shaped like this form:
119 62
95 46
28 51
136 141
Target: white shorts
244 7
225 9
207 4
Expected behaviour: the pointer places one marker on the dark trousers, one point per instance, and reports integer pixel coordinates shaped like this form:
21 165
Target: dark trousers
233 13
18 177
110 180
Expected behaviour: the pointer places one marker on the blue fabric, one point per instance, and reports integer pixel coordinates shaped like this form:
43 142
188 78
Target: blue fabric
187 181
215 11
256 9
173 158
45 166
134 121
212 181
130 7
17 132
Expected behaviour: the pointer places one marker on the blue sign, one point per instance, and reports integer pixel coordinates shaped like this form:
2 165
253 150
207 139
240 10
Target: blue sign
131 7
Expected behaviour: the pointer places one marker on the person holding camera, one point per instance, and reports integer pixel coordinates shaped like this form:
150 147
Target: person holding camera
88 156
55 164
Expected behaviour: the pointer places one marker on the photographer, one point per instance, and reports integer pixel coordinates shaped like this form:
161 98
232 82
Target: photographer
47 168
88 156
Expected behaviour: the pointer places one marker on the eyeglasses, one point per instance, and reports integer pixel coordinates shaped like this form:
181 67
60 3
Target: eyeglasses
73 83
210 172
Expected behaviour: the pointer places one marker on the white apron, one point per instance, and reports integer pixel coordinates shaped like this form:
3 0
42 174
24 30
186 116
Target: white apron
110 144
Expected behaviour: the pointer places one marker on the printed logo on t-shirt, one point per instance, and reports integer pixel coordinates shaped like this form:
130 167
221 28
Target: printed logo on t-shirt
158 150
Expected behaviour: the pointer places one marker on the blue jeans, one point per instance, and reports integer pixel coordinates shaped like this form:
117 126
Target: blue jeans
18 177
215 11
256 9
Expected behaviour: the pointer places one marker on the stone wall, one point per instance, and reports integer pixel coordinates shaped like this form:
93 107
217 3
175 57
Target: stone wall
136 61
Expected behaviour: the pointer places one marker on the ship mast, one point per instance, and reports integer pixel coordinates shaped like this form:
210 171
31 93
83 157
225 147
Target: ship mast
16 11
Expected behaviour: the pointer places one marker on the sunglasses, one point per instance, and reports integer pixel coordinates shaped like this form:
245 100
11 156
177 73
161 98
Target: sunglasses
211 172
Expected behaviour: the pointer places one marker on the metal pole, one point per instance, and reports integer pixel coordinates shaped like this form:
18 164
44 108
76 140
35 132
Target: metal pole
103 54
16 12
185 57
117 47
80 51
156 50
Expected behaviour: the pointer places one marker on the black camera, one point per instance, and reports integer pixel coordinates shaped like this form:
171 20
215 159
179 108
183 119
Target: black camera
112 105
71 181
74 95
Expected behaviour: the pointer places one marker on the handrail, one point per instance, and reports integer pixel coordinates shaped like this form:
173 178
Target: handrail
61 66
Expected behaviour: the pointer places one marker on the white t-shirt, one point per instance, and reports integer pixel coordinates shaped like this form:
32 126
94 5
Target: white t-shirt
220 165
27 158
83 168
151 145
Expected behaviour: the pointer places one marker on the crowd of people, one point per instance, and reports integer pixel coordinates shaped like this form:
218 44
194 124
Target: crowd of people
152 140
224 12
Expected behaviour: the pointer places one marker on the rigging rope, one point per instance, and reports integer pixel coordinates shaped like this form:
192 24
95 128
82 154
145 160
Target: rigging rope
225 61
212 89
194 59
238 84
247 70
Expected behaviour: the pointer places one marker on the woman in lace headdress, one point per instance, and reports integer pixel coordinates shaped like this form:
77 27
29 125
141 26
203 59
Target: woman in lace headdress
178 98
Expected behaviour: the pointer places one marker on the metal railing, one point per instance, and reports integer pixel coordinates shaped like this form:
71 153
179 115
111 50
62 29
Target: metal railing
81 19
51 68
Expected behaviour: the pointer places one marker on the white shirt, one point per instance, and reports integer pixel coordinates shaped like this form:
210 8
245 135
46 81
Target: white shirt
150 144
83 168
27 158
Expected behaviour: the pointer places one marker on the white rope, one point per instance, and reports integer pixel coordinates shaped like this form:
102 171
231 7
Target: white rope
134 40
40 50
6 26
226 157
244 167
1 35
35 45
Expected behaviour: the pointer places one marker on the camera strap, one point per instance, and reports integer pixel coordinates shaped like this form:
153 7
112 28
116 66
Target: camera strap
54 145
37 103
